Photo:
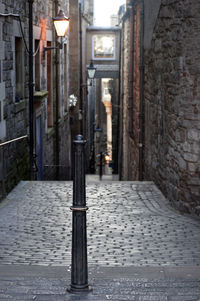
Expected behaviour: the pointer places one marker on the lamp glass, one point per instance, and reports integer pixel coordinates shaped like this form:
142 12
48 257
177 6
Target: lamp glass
91 72
61 27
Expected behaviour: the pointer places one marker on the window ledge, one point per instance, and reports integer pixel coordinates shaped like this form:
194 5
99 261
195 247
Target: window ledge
40 95
19 106
65 115
50 132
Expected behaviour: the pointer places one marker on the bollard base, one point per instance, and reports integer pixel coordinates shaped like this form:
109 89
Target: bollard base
79 290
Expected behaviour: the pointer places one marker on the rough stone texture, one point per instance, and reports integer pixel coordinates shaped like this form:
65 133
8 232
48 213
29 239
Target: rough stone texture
172 104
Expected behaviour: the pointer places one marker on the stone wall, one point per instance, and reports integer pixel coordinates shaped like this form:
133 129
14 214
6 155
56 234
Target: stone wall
14 157
172 104
14 111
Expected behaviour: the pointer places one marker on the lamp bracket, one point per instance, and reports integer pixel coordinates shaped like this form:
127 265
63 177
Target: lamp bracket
86 85
51 48
59 43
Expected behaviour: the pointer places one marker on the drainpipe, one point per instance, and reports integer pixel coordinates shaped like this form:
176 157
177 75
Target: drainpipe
118 169
130 88
121 134
31 85
57 146
141 107
131 73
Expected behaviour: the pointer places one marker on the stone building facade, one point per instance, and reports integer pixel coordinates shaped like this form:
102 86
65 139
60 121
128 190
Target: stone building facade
166 98
51 84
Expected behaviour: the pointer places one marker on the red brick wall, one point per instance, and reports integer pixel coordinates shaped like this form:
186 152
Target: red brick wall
131 79
136 97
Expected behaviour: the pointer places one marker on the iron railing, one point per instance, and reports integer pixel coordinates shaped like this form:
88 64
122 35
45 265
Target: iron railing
13 155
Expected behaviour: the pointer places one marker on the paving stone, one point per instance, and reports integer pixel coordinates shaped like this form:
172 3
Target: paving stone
131 226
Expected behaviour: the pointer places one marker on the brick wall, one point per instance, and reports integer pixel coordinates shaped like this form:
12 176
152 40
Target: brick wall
124 98
134 102
172 104
131 92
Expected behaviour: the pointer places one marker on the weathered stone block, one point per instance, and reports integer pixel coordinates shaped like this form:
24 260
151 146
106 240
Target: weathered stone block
194 134
191 157
192 168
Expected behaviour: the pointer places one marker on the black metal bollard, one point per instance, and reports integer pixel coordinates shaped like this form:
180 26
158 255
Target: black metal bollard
79 272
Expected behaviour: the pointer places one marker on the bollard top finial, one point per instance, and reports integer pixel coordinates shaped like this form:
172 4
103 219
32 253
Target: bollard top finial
79 137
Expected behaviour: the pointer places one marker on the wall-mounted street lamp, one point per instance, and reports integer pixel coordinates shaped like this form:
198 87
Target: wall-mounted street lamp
91 70
61 24
98 131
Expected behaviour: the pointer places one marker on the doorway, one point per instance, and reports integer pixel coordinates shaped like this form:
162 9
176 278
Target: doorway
39 147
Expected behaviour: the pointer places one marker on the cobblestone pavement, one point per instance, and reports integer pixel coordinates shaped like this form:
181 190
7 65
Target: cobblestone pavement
130 226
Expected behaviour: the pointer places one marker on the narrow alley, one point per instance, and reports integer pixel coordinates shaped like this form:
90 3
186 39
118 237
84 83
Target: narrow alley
139 248
107 94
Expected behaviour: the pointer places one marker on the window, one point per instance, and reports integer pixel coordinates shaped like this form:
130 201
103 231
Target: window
0 73
1 118
2 98
104 47
49 88
65 78
19 85
37 65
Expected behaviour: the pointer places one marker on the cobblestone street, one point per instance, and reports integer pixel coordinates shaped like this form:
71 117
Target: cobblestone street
139 248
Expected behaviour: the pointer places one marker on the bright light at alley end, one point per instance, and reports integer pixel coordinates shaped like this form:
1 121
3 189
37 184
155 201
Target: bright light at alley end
91 70
61 23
